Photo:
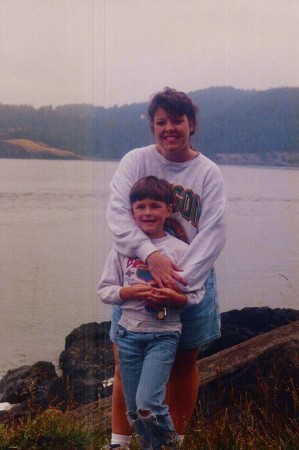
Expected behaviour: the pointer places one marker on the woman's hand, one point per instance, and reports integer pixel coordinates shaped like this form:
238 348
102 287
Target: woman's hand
171 297
164 271
135 292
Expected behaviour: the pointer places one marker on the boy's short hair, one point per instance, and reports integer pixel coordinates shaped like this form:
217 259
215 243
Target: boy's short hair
175 103
153 188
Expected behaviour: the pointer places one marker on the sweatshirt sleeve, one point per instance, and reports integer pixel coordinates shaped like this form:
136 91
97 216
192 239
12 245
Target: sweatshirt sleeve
111 280
194 297
129 239
211 236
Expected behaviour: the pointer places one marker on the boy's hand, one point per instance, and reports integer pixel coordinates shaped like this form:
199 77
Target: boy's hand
164 271
135 292
163 296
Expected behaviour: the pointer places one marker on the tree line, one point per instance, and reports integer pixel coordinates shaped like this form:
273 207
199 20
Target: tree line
230 121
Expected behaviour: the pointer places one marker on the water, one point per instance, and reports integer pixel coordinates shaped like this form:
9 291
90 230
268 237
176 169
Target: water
54 242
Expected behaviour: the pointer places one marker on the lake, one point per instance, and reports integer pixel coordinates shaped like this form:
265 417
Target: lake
54 242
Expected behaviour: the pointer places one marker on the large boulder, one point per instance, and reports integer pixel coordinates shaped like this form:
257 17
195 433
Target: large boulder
267 362
240 325
87 362
28 384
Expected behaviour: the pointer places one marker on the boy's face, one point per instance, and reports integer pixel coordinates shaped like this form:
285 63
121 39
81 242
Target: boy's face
150 216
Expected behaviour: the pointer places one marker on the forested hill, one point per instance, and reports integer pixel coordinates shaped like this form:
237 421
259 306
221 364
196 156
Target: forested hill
236 126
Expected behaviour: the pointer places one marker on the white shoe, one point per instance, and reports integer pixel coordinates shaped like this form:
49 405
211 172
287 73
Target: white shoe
113 446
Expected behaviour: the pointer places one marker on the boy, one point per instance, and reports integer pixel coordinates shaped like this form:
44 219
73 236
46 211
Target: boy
149 329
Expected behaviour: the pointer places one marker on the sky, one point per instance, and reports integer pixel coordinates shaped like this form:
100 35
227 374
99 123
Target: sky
115 52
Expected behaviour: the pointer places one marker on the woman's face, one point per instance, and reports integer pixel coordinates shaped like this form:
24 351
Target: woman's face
172 135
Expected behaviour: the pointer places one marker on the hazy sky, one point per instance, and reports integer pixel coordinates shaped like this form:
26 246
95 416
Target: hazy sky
110 52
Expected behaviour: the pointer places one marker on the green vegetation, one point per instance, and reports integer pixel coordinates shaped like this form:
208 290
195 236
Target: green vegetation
260 424
231 121
267 420
51 430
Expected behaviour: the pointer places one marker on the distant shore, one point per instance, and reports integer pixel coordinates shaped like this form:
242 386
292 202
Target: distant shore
28 149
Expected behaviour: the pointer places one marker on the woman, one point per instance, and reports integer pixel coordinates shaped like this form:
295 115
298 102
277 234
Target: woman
198 218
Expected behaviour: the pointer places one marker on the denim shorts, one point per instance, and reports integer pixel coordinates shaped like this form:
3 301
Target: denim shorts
200 323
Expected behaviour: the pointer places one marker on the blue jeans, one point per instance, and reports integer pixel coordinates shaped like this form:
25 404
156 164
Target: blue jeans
145 361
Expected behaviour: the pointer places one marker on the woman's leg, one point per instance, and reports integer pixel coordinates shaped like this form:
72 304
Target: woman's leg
200 325
182 388
120 424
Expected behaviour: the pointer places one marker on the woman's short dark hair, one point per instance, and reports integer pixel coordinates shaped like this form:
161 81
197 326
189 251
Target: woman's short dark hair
175 103
153 188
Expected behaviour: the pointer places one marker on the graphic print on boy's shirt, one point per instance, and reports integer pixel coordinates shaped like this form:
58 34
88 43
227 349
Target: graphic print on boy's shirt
137 272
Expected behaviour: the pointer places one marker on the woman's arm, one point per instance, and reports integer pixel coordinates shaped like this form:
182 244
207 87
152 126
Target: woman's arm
174 298
129 239
211 236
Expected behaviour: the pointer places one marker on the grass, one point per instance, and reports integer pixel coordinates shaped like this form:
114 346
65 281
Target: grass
39 148
269 420
250 431
51 430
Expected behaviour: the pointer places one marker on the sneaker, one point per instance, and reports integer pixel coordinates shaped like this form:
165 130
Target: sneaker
175 446
112 447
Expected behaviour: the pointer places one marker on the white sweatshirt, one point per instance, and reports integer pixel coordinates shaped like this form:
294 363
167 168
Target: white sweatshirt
122 270
199 210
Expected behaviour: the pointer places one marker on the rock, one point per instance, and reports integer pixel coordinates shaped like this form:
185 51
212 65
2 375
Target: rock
28 384
13 414
97 414
270 359
58 395
240 325
272 356
88 356
87 361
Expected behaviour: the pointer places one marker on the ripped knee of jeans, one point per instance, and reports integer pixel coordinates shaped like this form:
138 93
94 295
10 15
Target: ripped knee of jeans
146 414
141 414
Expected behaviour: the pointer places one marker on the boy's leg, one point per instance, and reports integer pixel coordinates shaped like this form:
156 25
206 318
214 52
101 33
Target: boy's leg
121 429
182 391
152 411
131 351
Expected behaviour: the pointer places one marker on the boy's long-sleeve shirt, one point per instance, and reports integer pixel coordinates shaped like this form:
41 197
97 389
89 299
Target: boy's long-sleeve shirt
126 271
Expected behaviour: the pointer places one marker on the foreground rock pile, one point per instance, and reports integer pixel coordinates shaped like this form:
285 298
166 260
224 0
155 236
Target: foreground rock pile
255 342
268 362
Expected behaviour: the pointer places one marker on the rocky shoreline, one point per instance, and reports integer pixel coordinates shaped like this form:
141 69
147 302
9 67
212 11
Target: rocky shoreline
254 341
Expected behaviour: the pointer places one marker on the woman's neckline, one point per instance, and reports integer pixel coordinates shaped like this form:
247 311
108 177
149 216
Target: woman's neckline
193 154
